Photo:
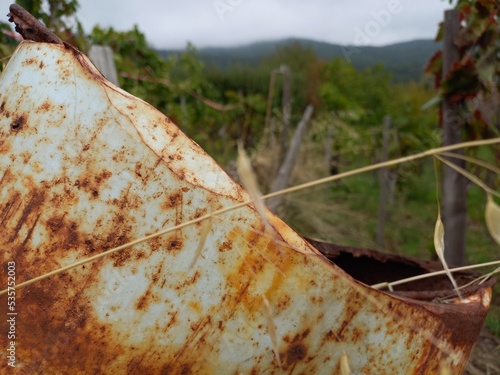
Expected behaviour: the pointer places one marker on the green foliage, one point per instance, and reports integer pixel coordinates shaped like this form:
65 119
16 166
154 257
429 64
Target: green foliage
7 45
405 61
178 86
59 16
340 88
56 11
304 67
132 55
345 90
305 71
416 129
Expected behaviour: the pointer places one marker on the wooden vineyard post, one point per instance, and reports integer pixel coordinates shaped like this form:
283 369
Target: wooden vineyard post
383 183
287 111
281 180
454 184
102 57
267 125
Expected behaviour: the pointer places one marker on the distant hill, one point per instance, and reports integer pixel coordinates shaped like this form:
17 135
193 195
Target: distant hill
405 61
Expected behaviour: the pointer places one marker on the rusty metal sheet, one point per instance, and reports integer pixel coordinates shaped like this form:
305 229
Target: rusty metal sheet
85 167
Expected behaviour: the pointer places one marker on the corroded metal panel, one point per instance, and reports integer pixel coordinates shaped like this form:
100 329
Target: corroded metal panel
85 167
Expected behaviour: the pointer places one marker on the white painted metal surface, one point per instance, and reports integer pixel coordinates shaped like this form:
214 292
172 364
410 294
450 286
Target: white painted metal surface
85 166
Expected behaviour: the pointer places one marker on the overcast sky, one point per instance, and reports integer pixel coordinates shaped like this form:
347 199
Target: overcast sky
171 23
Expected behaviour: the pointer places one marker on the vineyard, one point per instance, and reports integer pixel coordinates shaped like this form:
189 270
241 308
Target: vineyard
339 118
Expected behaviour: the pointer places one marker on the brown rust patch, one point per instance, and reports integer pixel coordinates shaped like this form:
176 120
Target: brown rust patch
173 200
55 223
103 176
10 207
140 255
196 306
226 246
159 271
120 258
181 369
56 330
46 107
175 243
295 353
66 232
18 123
138 167
32 206
83 344
144 301
30 61
193 279
296 350
199 213
284 301
91 185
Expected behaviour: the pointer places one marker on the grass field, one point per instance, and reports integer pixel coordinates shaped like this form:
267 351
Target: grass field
346 212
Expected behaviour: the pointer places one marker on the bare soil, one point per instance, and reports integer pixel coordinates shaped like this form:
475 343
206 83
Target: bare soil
485 358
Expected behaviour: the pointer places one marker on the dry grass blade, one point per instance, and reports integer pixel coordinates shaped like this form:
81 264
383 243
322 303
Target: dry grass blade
6 58
492 218
439 246
439 237
373 167
479 162
432 274
268 314
206 226
317 182
489 274
345 369
469 175
481 279
249 182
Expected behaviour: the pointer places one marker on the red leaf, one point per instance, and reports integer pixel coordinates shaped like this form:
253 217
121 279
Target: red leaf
434 66
465 11
461 81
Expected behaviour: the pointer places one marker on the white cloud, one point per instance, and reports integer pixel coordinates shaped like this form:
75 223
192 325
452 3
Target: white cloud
170 24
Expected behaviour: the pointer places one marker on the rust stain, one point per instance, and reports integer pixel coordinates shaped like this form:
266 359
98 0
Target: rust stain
29 61
92 185
10 207
32 205
174 243
226 246
121 258
142 310
296 350
144 301
46 107
30 231
18 123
